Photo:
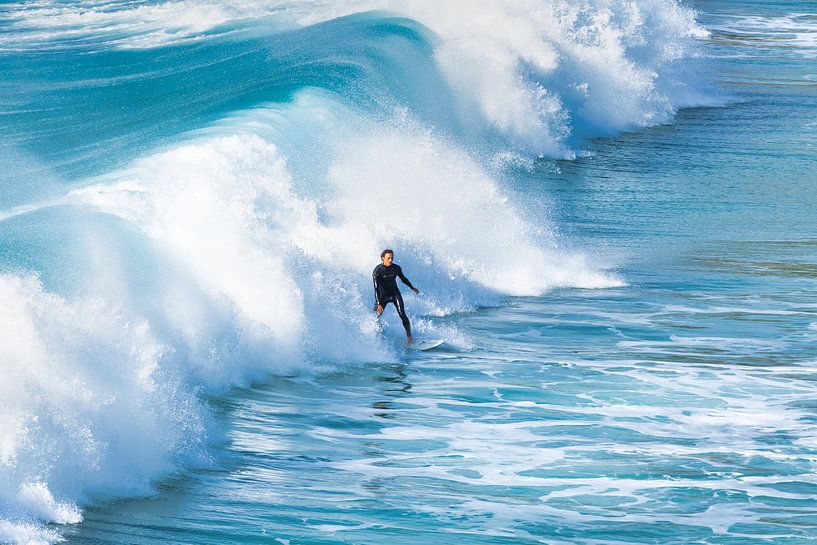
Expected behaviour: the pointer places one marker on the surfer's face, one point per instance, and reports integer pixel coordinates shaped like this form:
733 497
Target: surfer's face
387 259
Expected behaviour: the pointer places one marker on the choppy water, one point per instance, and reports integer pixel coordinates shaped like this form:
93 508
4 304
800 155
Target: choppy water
194 195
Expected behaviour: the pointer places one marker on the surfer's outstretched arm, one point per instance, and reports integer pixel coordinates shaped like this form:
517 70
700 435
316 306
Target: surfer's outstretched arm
406 280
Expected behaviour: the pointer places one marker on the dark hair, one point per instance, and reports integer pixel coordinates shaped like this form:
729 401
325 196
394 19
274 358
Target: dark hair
386 251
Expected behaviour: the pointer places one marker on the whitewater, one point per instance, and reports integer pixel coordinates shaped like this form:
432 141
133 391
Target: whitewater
194 195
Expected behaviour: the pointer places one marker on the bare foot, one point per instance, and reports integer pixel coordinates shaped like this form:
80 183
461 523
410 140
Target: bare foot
409 341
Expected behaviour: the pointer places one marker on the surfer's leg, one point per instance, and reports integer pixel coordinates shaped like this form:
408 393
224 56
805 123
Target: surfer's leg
401 310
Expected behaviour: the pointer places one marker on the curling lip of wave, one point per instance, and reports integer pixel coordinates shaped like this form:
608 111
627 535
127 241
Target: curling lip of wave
544 75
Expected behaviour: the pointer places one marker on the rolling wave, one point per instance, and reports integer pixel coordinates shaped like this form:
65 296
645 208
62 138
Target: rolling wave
197 191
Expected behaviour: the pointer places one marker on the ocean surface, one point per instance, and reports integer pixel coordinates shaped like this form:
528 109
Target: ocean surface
609 206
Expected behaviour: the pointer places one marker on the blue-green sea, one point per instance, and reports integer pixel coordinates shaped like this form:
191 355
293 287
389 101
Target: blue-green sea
609 208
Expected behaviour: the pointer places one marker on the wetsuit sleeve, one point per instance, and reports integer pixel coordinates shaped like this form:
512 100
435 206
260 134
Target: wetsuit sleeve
374 283
404 279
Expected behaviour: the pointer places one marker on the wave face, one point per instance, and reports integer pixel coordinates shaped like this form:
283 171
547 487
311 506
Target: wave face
195 194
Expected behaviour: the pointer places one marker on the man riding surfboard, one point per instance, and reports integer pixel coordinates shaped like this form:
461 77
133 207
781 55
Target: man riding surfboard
384 278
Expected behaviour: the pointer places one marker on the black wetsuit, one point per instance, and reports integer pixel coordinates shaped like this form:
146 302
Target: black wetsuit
385 290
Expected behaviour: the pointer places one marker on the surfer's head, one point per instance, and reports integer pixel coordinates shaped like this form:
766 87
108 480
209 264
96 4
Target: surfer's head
387 256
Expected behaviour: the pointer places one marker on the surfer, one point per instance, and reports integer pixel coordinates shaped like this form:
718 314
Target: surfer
384 278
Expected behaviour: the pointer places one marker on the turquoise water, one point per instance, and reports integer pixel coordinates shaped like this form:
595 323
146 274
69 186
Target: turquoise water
631 348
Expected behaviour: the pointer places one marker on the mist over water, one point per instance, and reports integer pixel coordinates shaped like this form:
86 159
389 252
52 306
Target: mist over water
193 199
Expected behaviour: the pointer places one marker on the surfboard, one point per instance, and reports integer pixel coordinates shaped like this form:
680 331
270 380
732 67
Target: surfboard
427 344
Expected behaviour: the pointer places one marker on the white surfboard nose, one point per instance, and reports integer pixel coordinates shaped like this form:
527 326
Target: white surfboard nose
427 344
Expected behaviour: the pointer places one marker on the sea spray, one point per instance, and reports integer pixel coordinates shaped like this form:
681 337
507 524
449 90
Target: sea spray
86 410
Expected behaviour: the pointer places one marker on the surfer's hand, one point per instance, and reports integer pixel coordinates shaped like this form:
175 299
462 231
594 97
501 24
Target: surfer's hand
416 291
379 309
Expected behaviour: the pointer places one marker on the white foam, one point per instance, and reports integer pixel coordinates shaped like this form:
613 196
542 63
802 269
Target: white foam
36 499
686 418
84 410
791 32
27 533
129 25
